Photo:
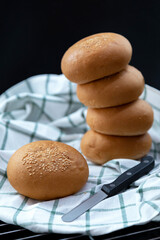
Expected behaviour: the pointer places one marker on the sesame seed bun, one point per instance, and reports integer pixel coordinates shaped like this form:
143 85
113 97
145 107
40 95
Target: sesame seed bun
46 170
95 57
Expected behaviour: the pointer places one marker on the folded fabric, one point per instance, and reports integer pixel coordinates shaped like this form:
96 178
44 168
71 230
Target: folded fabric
47 107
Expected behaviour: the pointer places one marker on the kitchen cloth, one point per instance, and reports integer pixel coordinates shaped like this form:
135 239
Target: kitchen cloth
46 107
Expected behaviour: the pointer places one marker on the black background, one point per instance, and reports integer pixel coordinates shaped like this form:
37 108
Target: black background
35 34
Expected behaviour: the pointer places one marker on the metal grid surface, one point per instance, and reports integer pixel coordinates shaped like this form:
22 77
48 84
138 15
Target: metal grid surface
150 231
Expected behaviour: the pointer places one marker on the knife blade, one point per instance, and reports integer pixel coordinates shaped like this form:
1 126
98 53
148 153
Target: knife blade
111 189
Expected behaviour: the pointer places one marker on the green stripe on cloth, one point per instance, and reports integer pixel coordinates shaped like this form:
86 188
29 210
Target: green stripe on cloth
88 214
52 214
157 147
90 237
148 189
154 107
49 98
145 98
112 209
140 191
42 108
153 205
153 150
83 115
3 173
145 93
34 132
8 193
28 209
28 85
60 135
155 123
5 136
6 94
46 84
123 210
4 160
8 114
19 210
43 99
70 99
71 122
99 180
158 175
3 181
26 224
92 193
49 211
13 129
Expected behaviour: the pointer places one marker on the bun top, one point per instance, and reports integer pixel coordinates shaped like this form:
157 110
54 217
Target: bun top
46 170
95 57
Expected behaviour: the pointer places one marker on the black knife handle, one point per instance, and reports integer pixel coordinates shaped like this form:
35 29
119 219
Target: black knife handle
129 176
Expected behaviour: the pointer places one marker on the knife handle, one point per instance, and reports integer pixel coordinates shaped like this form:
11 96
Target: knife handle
129 176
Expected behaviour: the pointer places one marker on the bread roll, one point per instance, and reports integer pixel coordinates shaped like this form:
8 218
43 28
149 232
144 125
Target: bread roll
95 57
45 170
100 148
130 119
120 88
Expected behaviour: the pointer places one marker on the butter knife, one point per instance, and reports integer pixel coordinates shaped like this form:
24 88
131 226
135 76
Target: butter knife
111 189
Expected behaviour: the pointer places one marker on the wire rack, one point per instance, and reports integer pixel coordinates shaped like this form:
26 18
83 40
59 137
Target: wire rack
150 231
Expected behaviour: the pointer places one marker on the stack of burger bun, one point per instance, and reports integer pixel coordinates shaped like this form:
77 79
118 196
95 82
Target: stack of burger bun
110 88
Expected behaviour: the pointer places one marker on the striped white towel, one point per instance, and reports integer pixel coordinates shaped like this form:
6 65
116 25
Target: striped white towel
46 107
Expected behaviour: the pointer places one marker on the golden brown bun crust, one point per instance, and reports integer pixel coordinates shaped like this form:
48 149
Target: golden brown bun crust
95 57
120 88
130 119
45 170
100 148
